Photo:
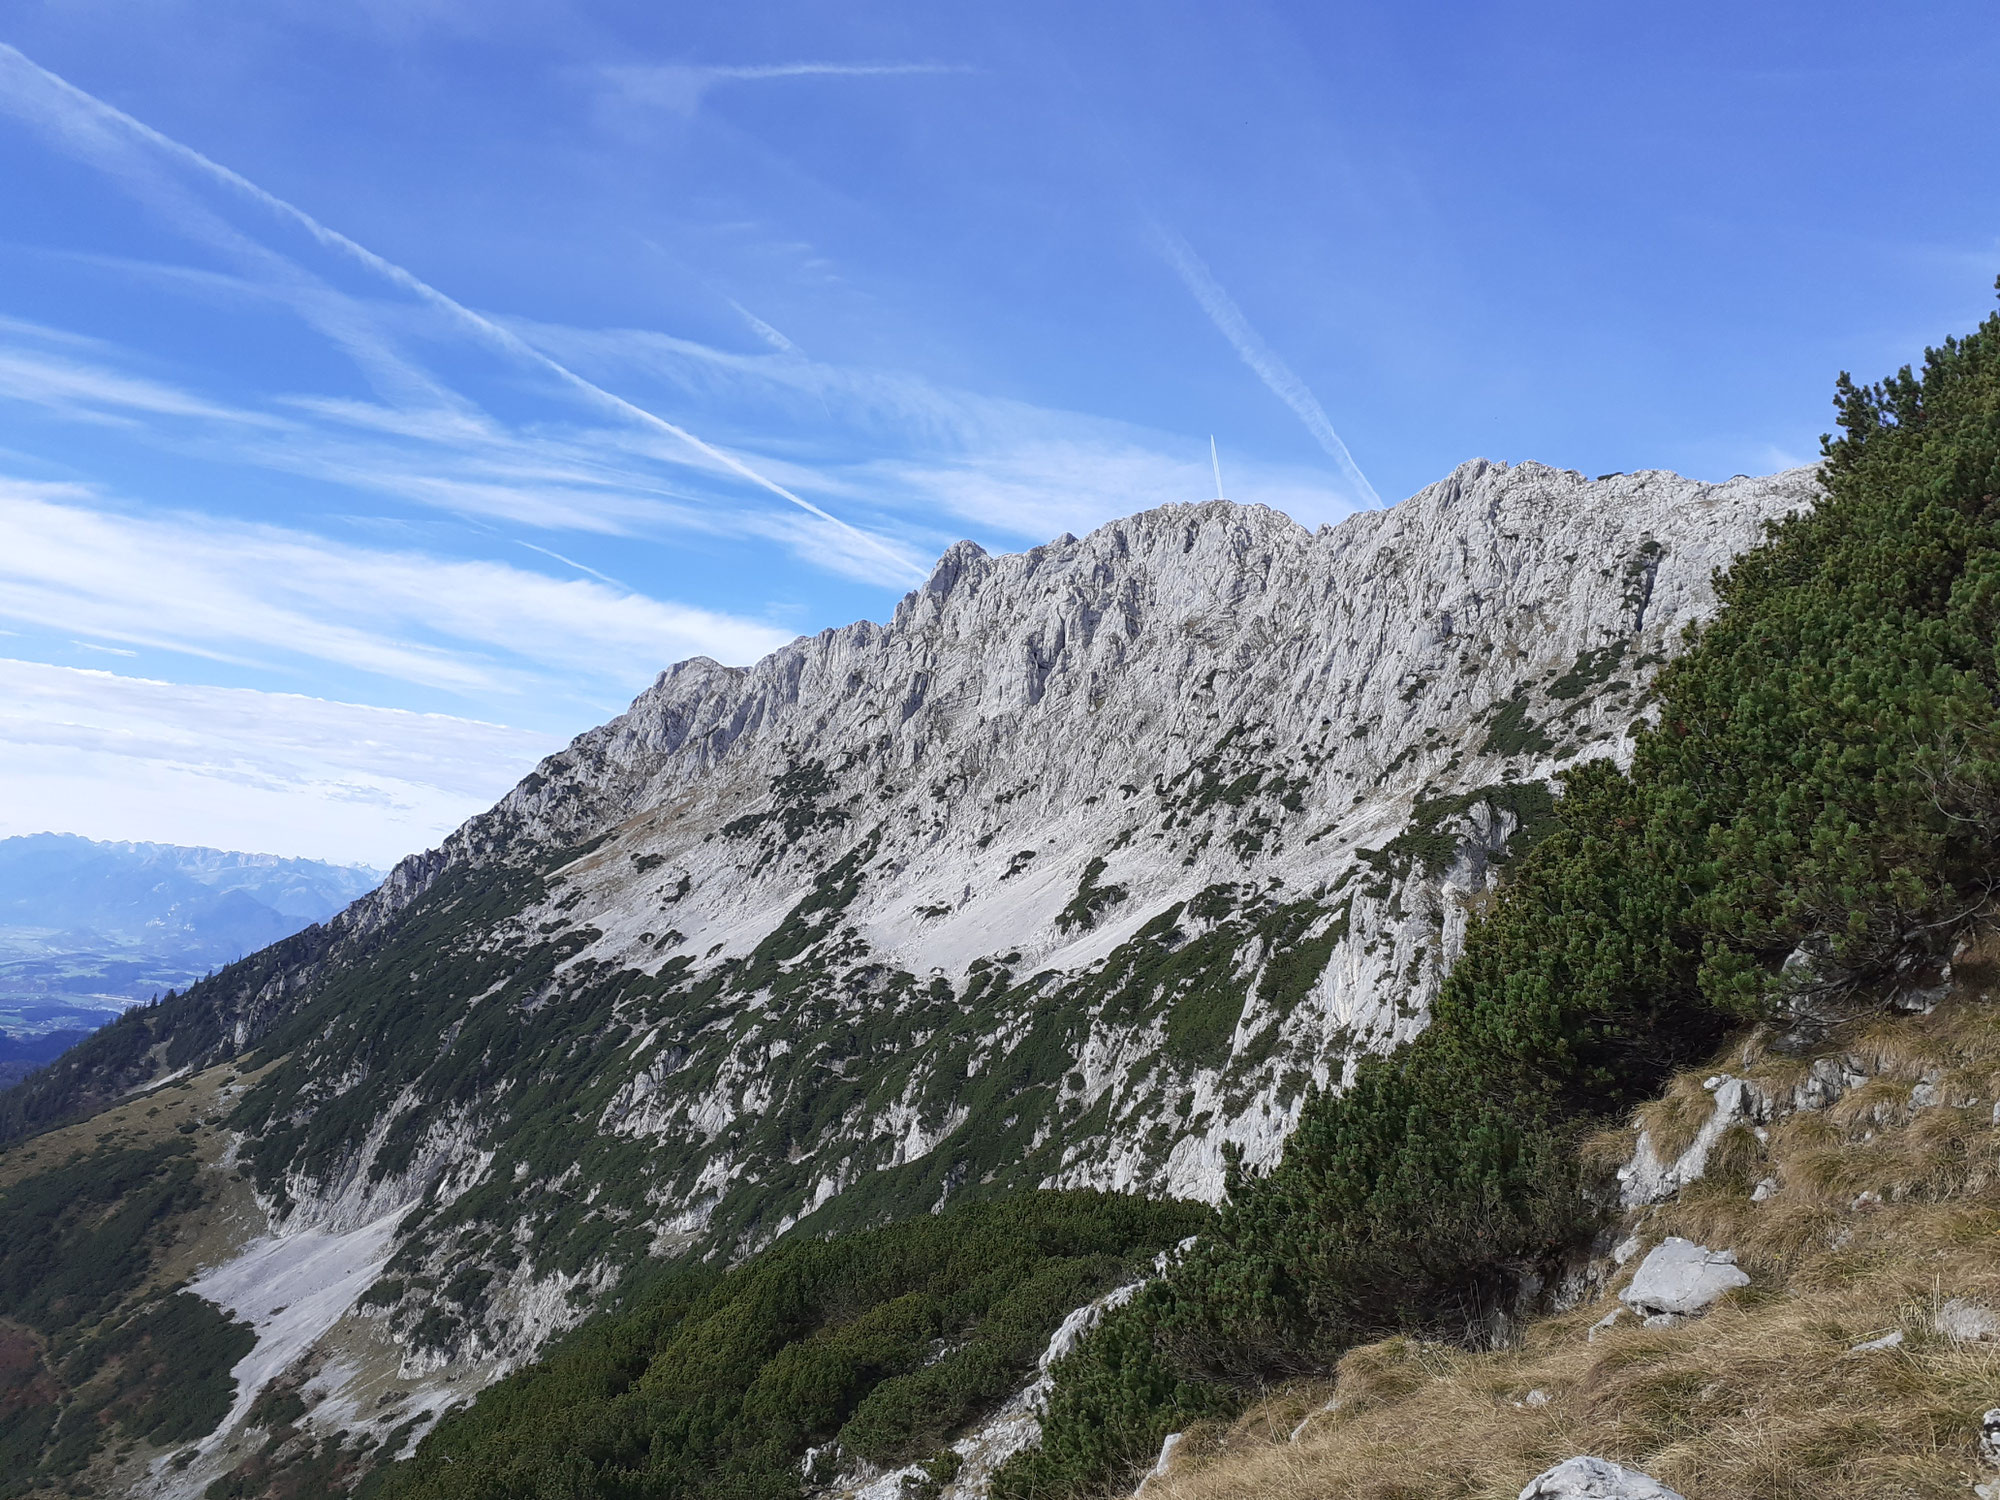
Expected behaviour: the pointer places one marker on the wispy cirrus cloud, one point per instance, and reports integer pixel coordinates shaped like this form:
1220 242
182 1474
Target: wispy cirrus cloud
616 480
93 391
1263 361
680 87
267 595
936 459
912 458
944 456
116 756
132 151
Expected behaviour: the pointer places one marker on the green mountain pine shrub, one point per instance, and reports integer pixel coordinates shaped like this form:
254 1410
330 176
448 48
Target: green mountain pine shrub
711 1384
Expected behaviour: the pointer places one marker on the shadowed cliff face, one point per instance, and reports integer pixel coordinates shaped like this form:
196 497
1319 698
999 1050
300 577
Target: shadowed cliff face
1076 873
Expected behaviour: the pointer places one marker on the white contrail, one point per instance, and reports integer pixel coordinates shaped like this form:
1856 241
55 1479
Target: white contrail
1263 361
98 137
764 330
68 93
831 70
580 567
679 86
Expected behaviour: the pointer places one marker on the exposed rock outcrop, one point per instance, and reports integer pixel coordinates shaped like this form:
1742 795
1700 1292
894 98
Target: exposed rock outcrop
1648 1179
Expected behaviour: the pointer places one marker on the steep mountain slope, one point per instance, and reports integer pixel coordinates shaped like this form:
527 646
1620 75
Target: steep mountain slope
1076 873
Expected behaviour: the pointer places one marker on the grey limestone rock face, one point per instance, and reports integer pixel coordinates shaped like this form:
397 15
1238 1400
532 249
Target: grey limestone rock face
1595 1479
1680 1278
1043 753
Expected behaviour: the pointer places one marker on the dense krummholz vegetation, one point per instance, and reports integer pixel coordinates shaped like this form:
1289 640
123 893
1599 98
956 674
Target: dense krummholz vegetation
716 1384
1822 779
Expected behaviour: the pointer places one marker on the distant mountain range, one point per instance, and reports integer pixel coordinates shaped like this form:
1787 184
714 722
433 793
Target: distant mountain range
88 929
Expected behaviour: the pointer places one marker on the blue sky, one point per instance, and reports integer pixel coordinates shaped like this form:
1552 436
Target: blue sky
389 389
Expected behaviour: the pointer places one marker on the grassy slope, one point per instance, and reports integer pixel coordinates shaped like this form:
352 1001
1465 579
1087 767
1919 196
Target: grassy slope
1883 1211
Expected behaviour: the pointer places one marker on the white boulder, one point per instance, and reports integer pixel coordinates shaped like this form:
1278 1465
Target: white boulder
1682 1278
1604 1324
1595 1479
1887 1341
1163 1467
1967 1322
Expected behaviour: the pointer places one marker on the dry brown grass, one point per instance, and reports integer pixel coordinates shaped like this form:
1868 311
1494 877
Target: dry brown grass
1882 1212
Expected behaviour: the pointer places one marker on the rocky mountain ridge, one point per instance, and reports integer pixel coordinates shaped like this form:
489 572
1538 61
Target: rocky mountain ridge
1078 872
